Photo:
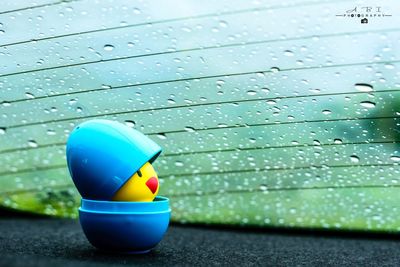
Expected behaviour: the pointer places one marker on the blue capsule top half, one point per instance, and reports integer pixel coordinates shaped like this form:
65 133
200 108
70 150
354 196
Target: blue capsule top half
102 155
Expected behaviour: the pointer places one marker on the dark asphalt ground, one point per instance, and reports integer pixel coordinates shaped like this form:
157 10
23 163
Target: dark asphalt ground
41 241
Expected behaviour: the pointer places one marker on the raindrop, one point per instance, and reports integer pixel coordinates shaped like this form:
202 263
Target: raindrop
367 104
73 101
288 53
222 125
251 92
130 123
189 129
263 187
265 90
337 141
108 47
326 112
316 142
162 136
29 95
364 87
315 91
354 159
395 158
220 82
6 104
271 102
51 132
2 130
223 24
260 74
275 69
389 66
171 101
178 163
32 143
79 109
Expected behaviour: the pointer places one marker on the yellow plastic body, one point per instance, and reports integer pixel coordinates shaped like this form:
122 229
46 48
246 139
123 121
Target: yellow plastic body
140 188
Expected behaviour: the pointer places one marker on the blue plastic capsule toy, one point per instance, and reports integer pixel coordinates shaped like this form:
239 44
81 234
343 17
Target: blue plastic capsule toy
110 165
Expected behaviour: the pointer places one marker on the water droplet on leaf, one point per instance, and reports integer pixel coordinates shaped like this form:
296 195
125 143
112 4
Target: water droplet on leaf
223 24
178 163
288 53
367 104
189 129
130 123
395 158
354 159
51 132
263 187
162 136
32 143
108 47
275 69
29 95
364 87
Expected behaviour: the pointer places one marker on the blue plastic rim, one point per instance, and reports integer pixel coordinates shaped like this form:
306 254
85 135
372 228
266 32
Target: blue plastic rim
159 204
125 227
102 155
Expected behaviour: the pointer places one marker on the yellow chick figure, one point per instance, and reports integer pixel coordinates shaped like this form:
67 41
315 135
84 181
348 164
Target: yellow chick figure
142 186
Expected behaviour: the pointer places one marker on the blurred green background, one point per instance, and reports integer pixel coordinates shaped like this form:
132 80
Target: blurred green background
270 113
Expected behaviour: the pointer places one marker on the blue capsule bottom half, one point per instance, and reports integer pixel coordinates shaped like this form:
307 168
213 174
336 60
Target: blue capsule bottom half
126 227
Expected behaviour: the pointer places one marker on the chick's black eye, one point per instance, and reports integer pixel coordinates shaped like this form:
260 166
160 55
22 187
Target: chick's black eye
139 173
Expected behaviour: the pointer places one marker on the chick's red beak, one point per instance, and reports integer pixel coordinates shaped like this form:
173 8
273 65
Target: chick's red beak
152 184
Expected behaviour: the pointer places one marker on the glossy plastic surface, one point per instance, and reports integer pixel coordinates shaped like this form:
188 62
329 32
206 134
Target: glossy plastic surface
159 204
102 155
125 227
